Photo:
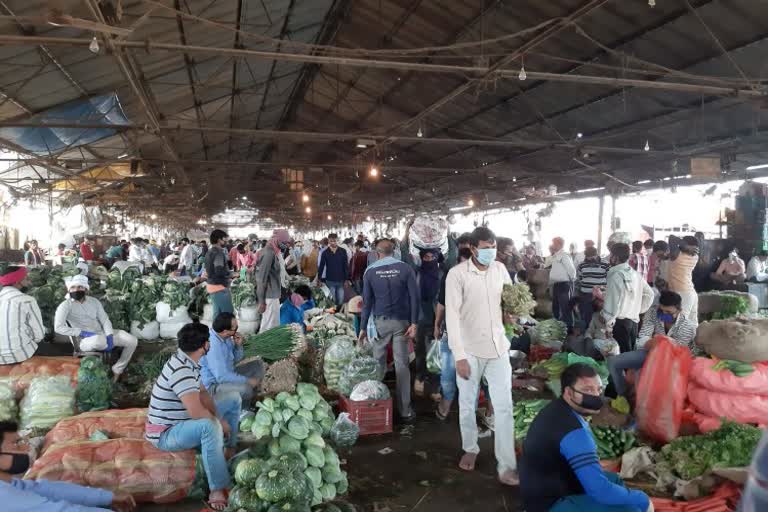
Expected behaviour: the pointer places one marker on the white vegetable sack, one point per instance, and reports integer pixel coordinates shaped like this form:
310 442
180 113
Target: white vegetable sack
151 330
370 390
165 315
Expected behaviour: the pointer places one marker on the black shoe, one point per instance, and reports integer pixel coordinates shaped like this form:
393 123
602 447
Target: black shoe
408 420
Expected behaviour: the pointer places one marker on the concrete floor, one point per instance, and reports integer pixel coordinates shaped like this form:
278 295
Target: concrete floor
420 475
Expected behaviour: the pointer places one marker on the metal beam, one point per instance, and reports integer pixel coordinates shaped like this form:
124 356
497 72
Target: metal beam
485 73
235 92
130 73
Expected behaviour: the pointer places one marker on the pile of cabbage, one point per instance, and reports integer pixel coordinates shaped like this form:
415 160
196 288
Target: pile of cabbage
296 468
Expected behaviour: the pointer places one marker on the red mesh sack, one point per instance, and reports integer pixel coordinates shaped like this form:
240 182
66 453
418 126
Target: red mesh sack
662 389
116 423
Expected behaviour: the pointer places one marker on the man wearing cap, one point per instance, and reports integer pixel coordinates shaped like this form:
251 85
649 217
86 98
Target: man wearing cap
271 278
22 326
84 317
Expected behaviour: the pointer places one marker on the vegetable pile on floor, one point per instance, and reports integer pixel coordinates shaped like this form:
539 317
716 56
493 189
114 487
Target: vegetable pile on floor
94 387
525 413
275 344
730 446
516 299
338 355
549 333
9 411
297 468
556 365
326 326
612 442
362 368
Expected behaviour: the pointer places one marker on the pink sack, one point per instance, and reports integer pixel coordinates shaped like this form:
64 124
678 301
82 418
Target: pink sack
662 388
742 408
724 381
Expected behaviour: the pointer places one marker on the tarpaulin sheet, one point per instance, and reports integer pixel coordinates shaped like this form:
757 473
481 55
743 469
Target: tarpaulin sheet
105 109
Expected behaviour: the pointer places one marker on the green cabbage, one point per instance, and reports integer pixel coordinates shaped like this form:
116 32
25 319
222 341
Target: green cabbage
315 475
263 417
268 405
289 445
298 428
246 424
274 448
261 431
282 397
307 415
342 486
314 439
309 402
306 389
291 461
292 402
328 491
315 456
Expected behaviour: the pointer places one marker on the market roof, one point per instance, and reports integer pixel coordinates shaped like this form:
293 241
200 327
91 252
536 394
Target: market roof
268 100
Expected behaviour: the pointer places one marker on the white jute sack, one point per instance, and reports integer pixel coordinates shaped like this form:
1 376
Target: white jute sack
249 314
710 302
150 331
165 315
246 328
740 340
169 330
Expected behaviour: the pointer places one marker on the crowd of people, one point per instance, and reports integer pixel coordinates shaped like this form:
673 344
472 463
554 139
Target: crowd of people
408 297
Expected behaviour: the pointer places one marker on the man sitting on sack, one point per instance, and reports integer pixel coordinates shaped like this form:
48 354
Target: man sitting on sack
83 317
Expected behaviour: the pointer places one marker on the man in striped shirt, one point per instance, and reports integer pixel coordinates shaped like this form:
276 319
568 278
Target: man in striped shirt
182 415
591 273
667 319
21 327
639 259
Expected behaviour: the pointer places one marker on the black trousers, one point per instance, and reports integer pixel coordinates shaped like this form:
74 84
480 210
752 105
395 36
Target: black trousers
625 333
561 299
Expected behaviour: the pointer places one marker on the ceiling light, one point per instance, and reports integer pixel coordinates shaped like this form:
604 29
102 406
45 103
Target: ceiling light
522 75
308 209
579 135
153 216
368 218
122 156
419 133
652 3
364 143
756 167
330 217
647 146
374 171
94 46
514 179
245 198
305 198
471 203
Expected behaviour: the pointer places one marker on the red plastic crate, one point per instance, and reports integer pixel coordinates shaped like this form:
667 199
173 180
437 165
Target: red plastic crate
372 416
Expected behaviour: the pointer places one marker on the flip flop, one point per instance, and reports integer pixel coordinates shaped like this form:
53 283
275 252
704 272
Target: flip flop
439 415
217 505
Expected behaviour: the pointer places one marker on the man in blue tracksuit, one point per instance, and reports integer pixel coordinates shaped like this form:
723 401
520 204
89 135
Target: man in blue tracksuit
560 470
391 300
334 269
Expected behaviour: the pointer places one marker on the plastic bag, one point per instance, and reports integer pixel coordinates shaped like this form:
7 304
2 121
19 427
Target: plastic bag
665 374
47 400
429 232
434 364
94 387
370 390
344 432
338 355
607 347
9 411
359 370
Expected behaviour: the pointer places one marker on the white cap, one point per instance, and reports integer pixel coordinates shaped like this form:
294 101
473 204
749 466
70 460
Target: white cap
80 280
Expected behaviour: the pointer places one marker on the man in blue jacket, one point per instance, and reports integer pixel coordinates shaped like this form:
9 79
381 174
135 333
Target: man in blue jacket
292 310
390 313
560 470
334 268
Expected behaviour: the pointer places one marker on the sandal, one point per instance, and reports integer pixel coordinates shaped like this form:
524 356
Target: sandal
440 415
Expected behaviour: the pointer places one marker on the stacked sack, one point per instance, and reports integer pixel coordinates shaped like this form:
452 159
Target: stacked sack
715 393
171 320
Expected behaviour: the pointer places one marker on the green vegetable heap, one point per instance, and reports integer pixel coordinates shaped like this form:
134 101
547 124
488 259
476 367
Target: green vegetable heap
612 442
738 368
516 299
243 294
525 413
94 387
297 469
549 333
275 344
730 446
731 306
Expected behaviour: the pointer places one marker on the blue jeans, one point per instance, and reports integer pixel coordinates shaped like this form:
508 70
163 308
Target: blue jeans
337 291
627 361
222 302
206 434
229 403
582 502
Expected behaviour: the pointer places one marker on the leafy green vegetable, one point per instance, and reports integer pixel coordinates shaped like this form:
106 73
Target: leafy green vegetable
517 300
315 476
730 446
549 333
289 444
298 428
731 306
94 387
275 344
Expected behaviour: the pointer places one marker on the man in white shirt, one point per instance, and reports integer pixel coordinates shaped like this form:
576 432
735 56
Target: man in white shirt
562 275
481 349
757 268
84 317
627 296
23 330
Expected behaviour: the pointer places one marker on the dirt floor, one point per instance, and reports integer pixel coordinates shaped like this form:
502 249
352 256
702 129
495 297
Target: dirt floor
419 475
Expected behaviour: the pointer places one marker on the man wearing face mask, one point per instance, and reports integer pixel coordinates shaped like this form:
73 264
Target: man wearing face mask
83 317
23 330
667 319
480 348
560 470
182 415
732 271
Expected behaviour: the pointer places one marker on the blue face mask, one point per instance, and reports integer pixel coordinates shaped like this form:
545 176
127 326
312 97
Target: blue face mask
665 317
486 256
